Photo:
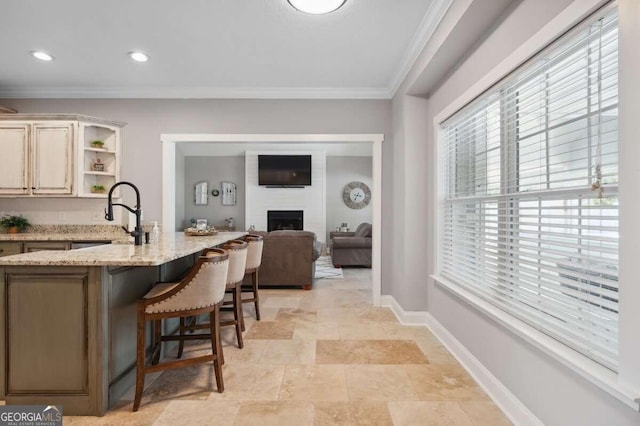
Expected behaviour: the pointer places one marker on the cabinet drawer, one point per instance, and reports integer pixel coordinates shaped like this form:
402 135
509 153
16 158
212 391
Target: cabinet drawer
8 249
48 245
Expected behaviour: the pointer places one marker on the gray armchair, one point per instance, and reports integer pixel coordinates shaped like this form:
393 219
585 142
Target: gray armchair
352 248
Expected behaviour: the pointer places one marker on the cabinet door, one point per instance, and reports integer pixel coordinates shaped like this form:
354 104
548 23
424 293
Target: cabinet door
52 166
46 245
14 161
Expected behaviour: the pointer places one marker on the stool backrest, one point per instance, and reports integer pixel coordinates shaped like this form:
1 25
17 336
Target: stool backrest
237 260
203 286
254 251
214 269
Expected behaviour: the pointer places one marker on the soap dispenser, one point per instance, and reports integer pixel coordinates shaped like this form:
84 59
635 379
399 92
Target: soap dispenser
155 232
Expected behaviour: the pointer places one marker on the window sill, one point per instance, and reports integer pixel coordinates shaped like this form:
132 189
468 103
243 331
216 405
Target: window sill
596 374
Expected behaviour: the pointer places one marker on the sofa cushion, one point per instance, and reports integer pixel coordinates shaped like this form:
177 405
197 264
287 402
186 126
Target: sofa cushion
364 230
351 242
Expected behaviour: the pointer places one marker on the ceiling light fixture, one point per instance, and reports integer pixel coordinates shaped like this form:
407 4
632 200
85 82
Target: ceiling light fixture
317 7
138 56
43 56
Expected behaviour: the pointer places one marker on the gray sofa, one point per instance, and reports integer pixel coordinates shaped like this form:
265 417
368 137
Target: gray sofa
288 259
352 248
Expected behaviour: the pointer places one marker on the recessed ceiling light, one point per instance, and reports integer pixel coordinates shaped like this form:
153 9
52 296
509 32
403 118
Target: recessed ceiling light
43 56
317 7
138 56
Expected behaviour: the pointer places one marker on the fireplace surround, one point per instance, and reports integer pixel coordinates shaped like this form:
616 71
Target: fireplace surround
278 220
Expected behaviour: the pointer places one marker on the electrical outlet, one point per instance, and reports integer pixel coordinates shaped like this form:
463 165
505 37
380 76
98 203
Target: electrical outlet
97 216
62 216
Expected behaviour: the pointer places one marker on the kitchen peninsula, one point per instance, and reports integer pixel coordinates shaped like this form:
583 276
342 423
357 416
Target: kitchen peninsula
69 318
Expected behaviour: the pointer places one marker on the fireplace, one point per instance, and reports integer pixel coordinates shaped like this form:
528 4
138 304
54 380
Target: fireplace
285 220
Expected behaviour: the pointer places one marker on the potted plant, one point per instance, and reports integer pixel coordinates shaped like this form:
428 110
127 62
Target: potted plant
98 189
14 224
97 144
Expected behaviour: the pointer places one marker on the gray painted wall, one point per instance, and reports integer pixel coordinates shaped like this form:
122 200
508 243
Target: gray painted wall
214 170
554 393
341 171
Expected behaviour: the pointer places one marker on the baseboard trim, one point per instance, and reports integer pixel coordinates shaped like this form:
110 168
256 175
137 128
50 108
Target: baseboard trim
405 317
515 410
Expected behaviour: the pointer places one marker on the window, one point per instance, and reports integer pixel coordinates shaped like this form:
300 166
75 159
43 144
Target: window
530 209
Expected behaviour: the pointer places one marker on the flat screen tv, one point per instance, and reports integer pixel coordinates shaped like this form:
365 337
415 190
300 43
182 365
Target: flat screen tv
284 170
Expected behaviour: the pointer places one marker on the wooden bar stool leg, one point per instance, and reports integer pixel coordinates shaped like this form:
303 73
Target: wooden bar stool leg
157 341
182 333
214 321
254 281
140 355
237 313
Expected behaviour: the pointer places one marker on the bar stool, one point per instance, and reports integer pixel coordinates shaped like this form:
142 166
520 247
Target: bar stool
254 259
237 262
200 292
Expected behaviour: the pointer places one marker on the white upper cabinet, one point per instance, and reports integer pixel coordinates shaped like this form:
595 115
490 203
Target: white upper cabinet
58 155
52 159
14 161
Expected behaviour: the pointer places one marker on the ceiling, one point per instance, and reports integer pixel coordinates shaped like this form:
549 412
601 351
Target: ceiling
212 149
211 48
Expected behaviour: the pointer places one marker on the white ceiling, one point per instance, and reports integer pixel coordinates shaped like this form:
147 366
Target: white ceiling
207 149
211 48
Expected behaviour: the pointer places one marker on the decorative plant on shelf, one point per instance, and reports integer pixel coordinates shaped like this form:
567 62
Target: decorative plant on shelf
98 189
97 144
14 224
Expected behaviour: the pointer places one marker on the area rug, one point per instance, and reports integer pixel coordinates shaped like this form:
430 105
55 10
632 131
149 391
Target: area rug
325 269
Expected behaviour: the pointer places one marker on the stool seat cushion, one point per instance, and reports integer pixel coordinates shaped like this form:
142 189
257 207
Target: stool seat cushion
160 288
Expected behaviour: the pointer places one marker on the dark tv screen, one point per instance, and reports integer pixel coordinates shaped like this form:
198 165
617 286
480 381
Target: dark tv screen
284 170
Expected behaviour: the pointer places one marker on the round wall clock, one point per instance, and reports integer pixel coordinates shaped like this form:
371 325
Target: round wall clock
356 195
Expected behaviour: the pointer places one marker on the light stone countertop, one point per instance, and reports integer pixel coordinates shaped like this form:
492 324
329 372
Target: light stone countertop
170 247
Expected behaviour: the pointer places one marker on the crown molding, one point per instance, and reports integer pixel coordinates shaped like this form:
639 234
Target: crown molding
423 34
195 93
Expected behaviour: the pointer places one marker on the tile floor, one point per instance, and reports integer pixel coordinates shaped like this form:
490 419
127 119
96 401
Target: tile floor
319 357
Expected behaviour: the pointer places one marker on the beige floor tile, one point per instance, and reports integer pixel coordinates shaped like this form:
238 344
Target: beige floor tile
308 331
406 331
427 414
249 354
443 382
363 330
314 383
370 313
289 352
435 352
317 303
270 330
352 413
280 302
250 382
379 383
279 413
193 413
336 315
194 382
484 413
297 315
368 352
121 414
268 314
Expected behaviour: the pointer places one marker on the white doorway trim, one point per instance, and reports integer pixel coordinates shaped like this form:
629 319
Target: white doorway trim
169 141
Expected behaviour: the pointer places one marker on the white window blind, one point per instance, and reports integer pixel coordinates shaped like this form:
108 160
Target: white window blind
530 213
